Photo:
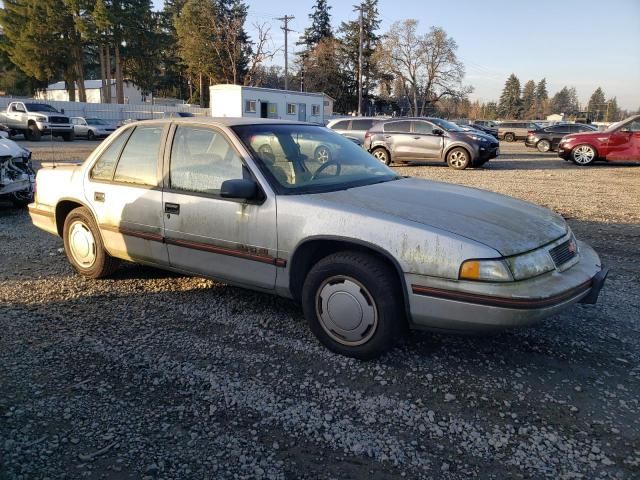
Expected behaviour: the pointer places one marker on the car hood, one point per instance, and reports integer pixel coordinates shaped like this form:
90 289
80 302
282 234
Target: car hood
505 224
9 148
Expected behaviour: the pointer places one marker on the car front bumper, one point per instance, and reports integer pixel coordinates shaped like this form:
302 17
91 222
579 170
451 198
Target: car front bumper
564 152
470 307
531 142
54 128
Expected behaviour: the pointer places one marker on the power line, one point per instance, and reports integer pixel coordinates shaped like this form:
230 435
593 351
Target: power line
286 30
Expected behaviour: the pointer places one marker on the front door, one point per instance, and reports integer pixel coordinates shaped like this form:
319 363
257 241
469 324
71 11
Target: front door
264 110
123 191
205 233
624 143
427 145
302 112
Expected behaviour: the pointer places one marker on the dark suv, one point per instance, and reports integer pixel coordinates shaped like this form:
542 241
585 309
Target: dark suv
547 138
419 139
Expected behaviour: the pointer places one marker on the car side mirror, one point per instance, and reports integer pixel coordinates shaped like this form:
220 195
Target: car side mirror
239 188
437 131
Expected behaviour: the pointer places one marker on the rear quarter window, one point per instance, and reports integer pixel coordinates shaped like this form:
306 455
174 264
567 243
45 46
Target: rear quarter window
103 168
398 127
361 124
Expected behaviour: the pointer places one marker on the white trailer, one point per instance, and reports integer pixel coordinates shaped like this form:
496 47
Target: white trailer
241 101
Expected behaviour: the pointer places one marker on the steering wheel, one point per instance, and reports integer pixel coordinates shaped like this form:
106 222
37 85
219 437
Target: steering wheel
324 166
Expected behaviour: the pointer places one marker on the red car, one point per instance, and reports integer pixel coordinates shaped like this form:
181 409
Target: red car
618 143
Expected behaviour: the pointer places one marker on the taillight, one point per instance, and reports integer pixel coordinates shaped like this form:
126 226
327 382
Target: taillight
368 135
530 132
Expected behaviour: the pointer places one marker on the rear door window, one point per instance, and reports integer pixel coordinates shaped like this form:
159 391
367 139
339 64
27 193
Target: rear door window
139 160
403 126
361 124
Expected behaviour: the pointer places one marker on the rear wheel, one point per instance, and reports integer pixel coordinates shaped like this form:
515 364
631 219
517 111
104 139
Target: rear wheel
458 158
353 304
382 154
543 146
509 137
583 154
83 245
322 154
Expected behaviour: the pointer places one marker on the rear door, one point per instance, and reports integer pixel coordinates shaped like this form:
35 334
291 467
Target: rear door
123 188
427 145
557 132
624 143
399 139
206 234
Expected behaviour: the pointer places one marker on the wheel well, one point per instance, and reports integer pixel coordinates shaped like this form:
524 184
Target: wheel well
461 147
312 251
63 209
30 122
381 147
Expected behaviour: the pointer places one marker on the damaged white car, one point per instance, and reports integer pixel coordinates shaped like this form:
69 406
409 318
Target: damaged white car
17 177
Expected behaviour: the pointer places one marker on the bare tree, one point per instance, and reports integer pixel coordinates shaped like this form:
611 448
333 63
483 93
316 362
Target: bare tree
263 51
426 66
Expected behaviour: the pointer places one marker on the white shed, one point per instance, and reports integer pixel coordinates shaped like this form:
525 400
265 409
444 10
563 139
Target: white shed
241 101
58 92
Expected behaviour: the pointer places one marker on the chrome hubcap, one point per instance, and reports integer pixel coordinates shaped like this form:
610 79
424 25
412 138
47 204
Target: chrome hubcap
346 311
322 155
380 155
543 146
584 154
82 244
457 159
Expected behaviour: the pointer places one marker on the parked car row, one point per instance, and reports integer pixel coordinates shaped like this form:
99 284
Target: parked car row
420 139
546 139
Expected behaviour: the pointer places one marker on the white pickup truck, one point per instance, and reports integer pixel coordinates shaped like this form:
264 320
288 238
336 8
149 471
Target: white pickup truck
33 120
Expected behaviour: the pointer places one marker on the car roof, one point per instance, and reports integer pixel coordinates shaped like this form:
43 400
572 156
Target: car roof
223 121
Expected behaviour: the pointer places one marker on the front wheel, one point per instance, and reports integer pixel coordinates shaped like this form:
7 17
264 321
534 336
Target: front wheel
458 158
583 155
33 133
382 155
69 137
91 135
83 245
353 304
509 137
322 154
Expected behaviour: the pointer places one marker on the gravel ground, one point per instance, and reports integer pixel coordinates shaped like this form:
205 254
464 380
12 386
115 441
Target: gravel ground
155 375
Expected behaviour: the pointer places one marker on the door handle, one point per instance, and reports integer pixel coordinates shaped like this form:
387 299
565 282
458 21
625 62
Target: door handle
172 208
387 136
98 196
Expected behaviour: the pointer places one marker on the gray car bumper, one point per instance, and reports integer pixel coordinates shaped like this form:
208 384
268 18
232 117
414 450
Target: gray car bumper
438 304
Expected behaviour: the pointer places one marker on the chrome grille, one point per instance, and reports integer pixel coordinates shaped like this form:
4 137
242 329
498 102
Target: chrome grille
564 252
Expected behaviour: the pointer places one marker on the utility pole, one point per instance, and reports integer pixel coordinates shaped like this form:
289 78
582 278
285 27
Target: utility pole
286 30
359 8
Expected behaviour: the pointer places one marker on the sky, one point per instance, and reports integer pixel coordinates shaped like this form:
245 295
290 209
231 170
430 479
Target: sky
579 43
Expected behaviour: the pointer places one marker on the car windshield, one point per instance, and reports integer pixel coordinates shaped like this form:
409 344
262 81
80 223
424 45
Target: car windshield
39 107
448 126
301 159
96 121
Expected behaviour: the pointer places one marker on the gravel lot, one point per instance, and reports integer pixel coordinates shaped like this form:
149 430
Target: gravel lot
156 375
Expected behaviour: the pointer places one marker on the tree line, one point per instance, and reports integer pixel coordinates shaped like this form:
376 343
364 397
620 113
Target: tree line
191 44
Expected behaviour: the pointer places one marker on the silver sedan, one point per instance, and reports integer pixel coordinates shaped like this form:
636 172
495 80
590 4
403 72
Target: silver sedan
366 252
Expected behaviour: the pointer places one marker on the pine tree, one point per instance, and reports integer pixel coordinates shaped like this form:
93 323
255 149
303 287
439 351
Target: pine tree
612 110
510 105
529 100
349 52
320 25
596 104
562 101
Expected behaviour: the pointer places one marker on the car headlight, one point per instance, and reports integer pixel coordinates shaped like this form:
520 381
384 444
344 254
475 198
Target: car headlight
531 264
477 138
42 119
485 270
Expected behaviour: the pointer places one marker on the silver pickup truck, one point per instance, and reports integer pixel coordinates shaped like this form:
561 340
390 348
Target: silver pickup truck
33 120
367 253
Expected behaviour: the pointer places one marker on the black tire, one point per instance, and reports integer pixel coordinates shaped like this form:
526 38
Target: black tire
91 135
544 146
583 155
458 158
509 137
33 133
378 286
69 137
382 154
104 263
